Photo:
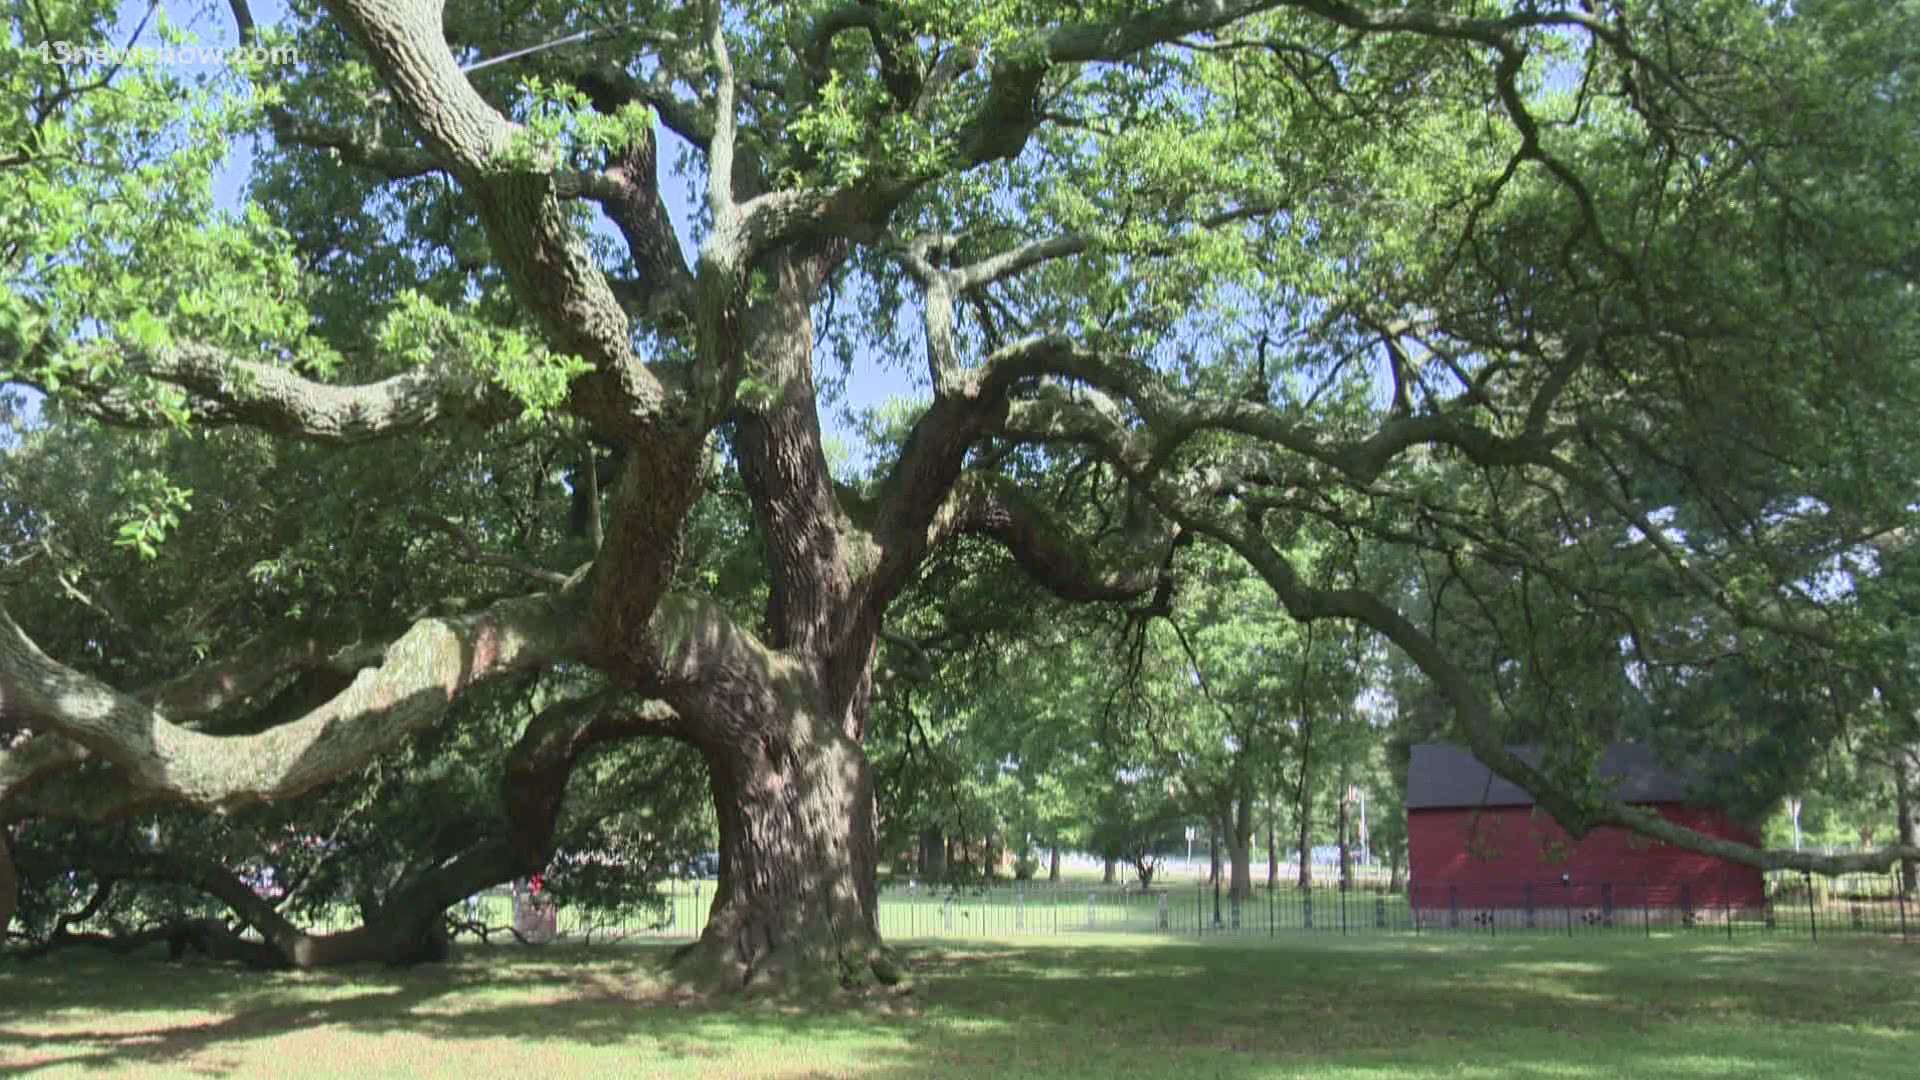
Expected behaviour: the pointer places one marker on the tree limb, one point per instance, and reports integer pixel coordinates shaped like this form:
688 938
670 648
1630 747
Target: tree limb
225 389
1047 548
471 551
422 673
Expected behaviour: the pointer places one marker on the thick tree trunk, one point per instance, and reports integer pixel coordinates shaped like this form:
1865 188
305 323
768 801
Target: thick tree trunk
1240 849
796 905
1213 856
1053 864
1397 875
1106 870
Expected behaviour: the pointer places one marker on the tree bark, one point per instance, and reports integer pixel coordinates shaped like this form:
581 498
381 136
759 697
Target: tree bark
420 675
1106 870
1240 848
796 906
1053 863
1397 875
1303 792
406 926
1343 825
1906 788
933 855
9 886
1273 856
1306 841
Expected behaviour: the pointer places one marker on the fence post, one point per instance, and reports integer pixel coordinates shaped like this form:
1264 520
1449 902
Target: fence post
1380 913
1527 898
1306 909
1453 906
1566 902
1813 922
1606 905
1343 907
1272 926
1900 891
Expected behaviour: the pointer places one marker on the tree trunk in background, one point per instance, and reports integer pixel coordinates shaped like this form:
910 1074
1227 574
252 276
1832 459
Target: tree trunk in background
1240 848
1343 825
1273 856
1303 792
933 855
1906 788
1106 872
1213 855
9 887
1397 880
1053 864
1306 845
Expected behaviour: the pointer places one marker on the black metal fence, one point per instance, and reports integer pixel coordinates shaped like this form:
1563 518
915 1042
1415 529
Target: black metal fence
1814 907
1862 904
1791 905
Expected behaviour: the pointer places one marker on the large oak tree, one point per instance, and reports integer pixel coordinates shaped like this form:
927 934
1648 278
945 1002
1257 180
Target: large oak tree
1507 285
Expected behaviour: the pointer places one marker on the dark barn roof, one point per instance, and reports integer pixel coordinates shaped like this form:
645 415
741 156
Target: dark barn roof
1443 775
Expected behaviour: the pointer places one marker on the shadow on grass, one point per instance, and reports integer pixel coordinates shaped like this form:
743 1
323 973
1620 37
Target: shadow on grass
1541 1007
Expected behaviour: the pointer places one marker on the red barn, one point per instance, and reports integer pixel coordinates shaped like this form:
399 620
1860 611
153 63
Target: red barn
1477 842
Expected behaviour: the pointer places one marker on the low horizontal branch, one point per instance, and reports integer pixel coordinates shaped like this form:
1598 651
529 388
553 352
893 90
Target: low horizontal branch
421 674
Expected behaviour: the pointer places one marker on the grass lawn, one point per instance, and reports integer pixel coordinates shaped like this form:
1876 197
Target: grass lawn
1112 1006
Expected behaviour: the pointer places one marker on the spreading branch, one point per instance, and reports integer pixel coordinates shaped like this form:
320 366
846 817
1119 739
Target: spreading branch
472 552
421 674
1071 566
223 389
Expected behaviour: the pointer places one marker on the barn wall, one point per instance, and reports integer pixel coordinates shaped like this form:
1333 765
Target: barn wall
1490 857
